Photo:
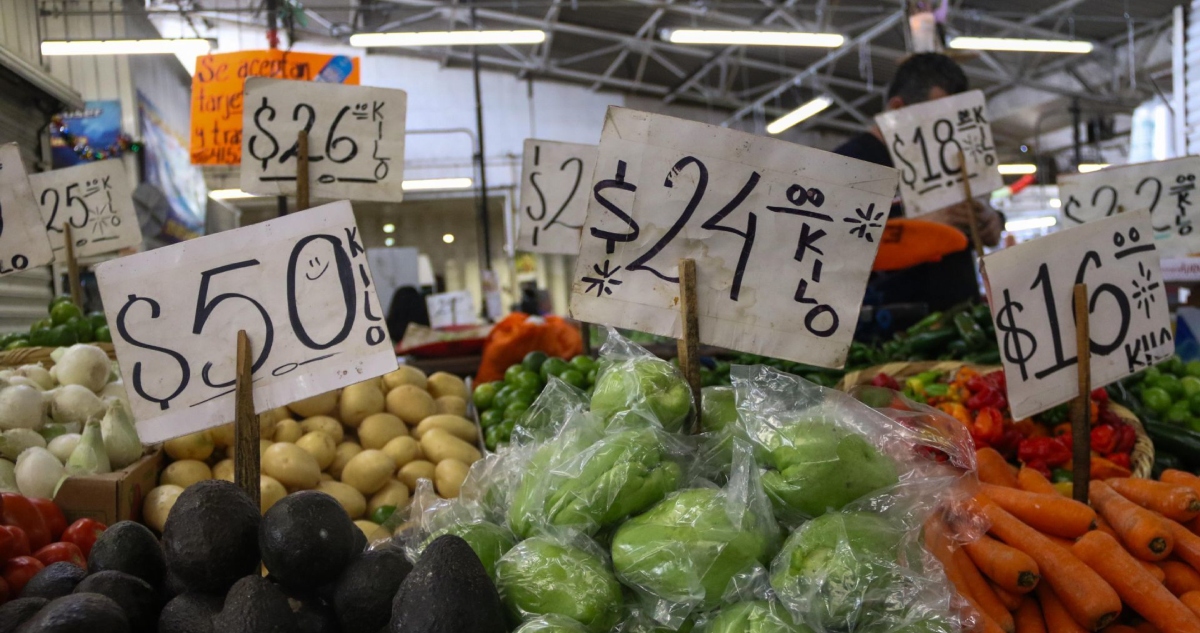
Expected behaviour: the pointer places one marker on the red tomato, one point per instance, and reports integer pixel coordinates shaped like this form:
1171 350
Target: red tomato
51 516
83 533
4 595
20 541
8 544
20 511
19 570
61 553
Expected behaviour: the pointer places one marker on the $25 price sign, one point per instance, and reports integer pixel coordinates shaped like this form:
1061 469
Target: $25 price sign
94 199
1031 287
783 236
355 139
554 195
23 241
300 287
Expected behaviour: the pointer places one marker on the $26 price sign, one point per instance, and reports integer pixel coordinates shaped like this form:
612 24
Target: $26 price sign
355 139
1031 287
94 199
554 195
300 287
23 241
783 236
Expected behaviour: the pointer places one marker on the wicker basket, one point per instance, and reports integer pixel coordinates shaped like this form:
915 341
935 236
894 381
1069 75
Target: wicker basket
1141 460
35 355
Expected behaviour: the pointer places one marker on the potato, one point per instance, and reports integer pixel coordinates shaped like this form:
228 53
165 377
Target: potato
158 504
268 420
320 446
292 466
345 451
443 384
351 500
393 493
263 445
452 405
403 450
184 473
321 404
360 400
288 431
270 491
448 477
439 444
368 471
410 403
195 446
327 477
457 426
414 470
325 424
223 470
404 375
379 429
223 436
372 531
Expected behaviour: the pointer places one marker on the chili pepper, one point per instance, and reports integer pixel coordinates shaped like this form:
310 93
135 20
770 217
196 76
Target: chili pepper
924 324
21 512
957 411
83 533
1104 439
1055 416
1039 466
937 390
1043 449
957 348
1061 430
1100 394
987 398
1120 459
983 316
985 357
883 380
1128 437
926 342
51 516
965 375
1094 410
1062 475
997 380
1107 416
987 427
958 393
1029 428
969 330
61 553
1009 442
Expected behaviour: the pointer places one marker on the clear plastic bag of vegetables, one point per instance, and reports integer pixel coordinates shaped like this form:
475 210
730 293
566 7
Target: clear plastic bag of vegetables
551 623
557 403
431 516
752 616
629 377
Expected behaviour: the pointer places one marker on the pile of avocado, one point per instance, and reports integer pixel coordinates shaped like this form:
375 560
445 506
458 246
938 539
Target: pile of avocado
203 577
65 325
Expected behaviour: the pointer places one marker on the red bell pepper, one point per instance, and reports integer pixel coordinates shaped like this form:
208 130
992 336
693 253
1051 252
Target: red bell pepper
1128 437
1104 439
1100 395
20 541
988 427
1009 442
987 398
52 516
21 512
61 553
1047 451
83 533
19 571
1120 459
883 380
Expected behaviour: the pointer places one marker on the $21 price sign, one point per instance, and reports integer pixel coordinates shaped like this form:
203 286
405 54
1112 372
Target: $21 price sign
94 199
300 287
554 195
355 139
23 241
1030 287
783 236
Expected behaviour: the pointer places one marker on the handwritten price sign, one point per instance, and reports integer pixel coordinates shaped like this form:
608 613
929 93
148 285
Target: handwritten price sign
355 139
94 199
451 308
783 236
1167 189
1030 287
554 195
300 287
23 241
925 140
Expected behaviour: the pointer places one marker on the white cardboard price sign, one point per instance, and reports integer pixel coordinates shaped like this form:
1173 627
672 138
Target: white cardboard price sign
554 195
924 141
94 199
355 139
1167 189
300 287
1031 287
451 308
23 242
783 236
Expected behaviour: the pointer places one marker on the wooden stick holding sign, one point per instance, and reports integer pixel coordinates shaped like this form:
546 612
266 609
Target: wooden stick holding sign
689 344
302 199
972 221
246 464
72 267
1081 407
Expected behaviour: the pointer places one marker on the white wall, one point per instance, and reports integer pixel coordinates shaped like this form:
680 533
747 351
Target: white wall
19 29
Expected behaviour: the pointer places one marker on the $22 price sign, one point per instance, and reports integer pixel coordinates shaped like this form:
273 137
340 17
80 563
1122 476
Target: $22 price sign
23 241
783 236
300 287
554 195
925 140
355 139
94 199
1031 288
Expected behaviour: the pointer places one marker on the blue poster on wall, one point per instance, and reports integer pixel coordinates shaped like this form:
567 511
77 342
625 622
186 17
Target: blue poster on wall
98 125
168 166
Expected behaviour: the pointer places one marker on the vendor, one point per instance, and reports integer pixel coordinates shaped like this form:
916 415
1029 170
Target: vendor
951 281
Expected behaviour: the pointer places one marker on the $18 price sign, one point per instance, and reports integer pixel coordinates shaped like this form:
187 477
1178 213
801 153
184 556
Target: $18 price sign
783 236
554 195
1030 287
23 241
355 139
94 199
300 287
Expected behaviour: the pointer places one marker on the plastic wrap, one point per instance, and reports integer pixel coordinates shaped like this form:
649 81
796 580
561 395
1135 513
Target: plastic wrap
629 377
719 425
551 624
566 574
755 616
431 516
557 403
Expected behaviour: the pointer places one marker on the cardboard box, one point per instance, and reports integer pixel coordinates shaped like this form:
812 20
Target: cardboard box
112 497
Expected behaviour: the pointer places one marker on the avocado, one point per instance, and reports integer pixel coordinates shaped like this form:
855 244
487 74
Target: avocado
313 617
211 536
137 598
364 592
360 542
171 587
78 613
189 613
55 581
129 547
306 539
15 612
255 605
448 591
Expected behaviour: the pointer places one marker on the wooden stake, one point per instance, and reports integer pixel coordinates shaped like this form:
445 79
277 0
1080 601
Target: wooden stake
972 221
246 468
72 267
689 345
302 171
1081 407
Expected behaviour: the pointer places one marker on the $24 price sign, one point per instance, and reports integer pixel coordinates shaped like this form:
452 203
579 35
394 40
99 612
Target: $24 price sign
554 195
783 236
300 287
94 199
925 140
355 139
23 241
1031 288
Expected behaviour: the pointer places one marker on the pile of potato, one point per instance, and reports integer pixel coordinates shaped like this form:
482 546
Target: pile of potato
365 445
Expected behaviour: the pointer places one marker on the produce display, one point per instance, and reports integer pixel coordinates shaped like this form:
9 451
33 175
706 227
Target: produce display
501 403
65 324
33 536
1162 397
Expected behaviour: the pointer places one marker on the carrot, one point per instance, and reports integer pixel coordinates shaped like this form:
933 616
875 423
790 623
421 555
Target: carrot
1192 601
1051 514
1180 478
1144 533
1119 628
1011 600
1146 627
1031 480
993 468
1178 503
939 545
1103 526
982 591
1058 619
1194 525
1180 578
1082 591
1009 567
1155 570
1187 544
1029 617
1064 543
1137 587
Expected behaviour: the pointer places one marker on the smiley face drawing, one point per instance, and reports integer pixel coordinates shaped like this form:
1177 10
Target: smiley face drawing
321 291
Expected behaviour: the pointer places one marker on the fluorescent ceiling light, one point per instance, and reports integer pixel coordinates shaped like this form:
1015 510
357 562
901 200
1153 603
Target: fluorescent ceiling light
389 227
389 242
230 194
437 184
1018 169
799 114
194 47
1055 203
754 38
448 238
446 38
1021 45
1030 223
1087 168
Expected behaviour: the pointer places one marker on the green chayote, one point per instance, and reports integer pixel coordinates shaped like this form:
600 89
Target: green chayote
542 576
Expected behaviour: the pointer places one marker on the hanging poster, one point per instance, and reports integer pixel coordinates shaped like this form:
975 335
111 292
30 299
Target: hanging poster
97 126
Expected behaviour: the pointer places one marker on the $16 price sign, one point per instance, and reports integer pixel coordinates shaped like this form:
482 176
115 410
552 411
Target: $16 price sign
94 199
23 241
554 195
355 139
1030 287
300 287
783 236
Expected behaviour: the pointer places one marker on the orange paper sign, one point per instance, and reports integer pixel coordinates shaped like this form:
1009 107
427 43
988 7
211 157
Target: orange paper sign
217 94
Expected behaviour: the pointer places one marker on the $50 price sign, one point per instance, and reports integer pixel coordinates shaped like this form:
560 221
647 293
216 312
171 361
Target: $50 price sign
23 241
1030 287
783 236
554 195
300 287
355 139
94 199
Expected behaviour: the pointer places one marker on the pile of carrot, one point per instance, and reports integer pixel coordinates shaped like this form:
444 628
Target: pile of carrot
1127 563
